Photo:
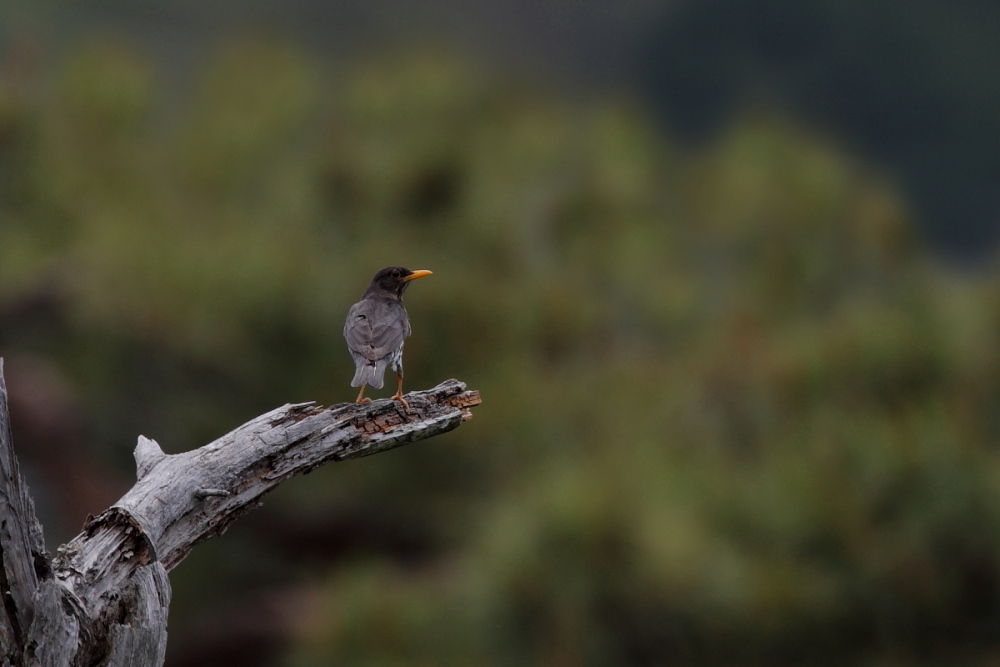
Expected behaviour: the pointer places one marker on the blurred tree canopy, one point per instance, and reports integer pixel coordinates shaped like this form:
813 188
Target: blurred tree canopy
910 83
732 412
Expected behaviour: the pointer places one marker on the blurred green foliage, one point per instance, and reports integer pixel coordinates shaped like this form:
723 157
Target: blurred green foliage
908 82
733 414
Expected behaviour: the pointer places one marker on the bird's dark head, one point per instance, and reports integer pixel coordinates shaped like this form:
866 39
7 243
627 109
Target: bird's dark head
394 280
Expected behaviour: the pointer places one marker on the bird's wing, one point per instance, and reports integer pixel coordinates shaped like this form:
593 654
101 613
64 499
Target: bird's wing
375 327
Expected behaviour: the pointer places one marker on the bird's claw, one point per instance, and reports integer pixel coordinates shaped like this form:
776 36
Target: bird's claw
363 400
406 406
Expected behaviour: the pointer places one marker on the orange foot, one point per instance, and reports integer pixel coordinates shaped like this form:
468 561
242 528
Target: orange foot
398 396
361 396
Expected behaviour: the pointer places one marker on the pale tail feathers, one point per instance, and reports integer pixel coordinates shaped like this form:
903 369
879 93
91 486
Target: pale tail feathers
370 374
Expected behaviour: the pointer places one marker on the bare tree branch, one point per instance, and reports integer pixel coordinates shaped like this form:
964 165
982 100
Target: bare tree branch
104 599
23 559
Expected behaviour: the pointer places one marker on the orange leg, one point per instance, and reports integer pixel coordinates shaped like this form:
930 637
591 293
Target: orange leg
399 392
361 396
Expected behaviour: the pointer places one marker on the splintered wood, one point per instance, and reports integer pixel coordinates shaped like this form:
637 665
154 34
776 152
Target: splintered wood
464 401
393 414
380 423
103 599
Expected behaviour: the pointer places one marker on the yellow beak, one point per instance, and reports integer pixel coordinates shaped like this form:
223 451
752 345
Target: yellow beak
417 274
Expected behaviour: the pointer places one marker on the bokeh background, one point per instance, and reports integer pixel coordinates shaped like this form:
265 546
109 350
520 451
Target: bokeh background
723 270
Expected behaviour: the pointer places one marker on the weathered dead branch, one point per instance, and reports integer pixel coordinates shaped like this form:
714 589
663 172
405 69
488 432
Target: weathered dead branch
103 599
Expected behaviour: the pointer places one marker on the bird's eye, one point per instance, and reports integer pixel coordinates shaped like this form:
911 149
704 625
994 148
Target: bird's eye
395 273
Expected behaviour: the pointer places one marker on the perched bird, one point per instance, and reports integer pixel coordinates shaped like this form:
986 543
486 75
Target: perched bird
376 327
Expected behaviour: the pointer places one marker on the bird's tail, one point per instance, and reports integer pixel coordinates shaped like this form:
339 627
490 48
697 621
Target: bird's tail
370 373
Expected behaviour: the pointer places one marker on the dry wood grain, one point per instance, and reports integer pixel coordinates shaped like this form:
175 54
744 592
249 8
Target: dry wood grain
103 599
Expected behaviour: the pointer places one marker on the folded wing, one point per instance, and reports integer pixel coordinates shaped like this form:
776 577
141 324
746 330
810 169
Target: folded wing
375 328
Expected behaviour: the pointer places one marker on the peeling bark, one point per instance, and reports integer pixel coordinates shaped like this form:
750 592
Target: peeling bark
23 560
103 599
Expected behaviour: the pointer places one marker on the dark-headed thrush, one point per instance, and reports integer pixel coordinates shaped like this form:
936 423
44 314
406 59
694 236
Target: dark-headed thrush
376 328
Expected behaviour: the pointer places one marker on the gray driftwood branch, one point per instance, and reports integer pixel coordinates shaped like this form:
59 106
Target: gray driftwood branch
103 599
